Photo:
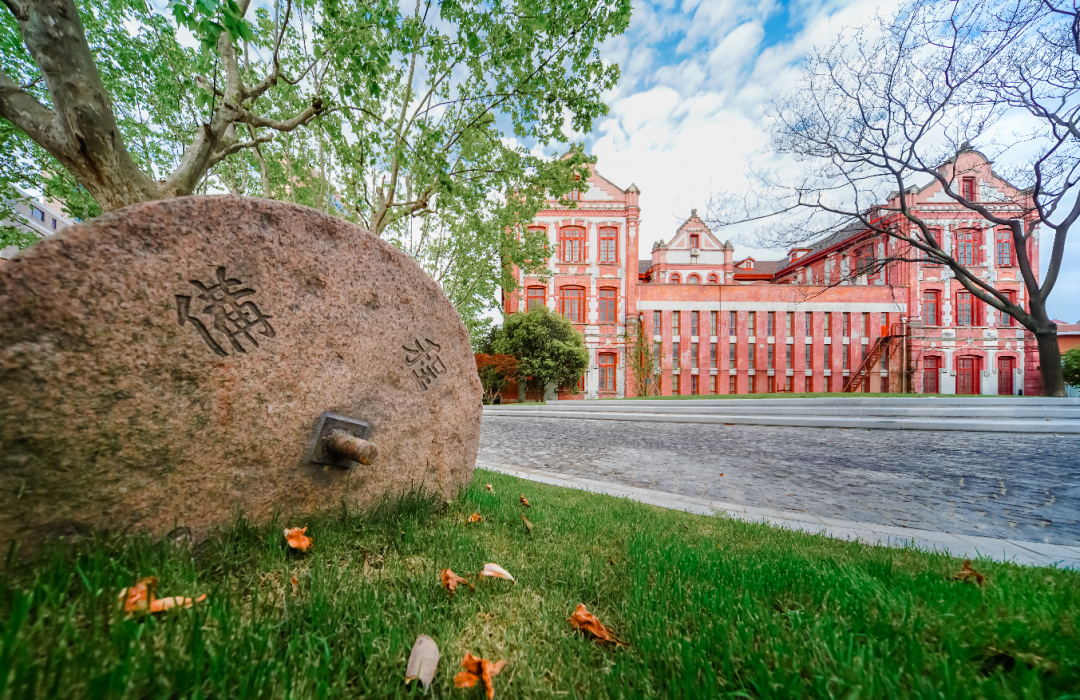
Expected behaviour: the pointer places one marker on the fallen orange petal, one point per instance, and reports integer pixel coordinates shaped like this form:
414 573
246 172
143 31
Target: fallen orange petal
176 601
525 501
474 518
138 597
496 571
585 621
450 580
297 539
489 487
478 669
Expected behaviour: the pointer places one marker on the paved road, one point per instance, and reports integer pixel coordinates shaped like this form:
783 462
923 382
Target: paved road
992 485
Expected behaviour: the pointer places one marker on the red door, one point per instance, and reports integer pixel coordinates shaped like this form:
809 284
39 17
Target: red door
930 376
1005 375
965 375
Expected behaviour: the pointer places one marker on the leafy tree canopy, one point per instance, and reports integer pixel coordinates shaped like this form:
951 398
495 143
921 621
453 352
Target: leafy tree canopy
546 345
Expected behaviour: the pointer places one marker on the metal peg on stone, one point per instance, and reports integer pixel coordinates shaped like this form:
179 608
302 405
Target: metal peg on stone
346 446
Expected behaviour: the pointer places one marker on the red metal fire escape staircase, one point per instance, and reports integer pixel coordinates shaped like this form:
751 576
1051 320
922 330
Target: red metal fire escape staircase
890 337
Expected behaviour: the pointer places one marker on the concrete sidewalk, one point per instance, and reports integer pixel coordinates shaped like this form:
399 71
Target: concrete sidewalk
1016 551
1060 416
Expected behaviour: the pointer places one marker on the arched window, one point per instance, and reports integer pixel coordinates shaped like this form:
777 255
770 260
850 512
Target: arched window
572 303
609 245
572 244
693 279
608 305
535 297
674 277
713 279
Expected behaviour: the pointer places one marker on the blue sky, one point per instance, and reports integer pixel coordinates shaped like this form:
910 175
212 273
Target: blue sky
686 117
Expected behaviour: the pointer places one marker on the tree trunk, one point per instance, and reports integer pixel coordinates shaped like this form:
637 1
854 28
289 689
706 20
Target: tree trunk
1053 383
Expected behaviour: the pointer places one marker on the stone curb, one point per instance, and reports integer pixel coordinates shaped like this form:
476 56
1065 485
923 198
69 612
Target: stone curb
868 423
1015 551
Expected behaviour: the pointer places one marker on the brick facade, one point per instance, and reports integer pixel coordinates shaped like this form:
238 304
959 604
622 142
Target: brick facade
803 323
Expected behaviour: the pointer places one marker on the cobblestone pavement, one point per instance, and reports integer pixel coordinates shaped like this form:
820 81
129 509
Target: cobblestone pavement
986 484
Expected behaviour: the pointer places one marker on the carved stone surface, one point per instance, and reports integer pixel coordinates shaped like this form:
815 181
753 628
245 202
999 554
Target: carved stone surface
166 365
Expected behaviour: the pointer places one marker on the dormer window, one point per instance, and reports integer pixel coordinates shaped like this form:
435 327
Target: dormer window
748 265
967 188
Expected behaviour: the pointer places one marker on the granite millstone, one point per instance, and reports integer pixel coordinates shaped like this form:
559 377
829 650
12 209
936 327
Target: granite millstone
167 364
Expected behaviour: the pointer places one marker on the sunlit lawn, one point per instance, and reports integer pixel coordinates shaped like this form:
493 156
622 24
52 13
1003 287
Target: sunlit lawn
710 607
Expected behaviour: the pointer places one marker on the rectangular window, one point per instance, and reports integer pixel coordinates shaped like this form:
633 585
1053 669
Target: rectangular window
967 188
675 324
1003 248
866 325
609 245
965 248
607 371
789 324
54 224
844 361
712 355
733 323
656 353
1006 319
787 384
656 327
930 308
676 386
771 360
536 297
965 309
693 384
572 302
572 244
713 320
732 348
808 324
847 324
730 384
772 324
750 318
694 322
788 357
36 213
828 324
607 306
751 349
808 356
675 355
693 355
694 240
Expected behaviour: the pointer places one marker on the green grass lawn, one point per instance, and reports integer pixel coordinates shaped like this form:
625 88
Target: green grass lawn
710 607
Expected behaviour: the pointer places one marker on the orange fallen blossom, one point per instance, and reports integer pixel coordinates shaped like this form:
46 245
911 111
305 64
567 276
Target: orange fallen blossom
140 598
585 621
474 518
525 501
297 539
967 572
489 487
477 669
450 580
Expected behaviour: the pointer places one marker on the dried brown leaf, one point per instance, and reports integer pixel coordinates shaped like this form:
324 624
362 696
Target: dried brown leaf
585 621
967 573
474 518
525 501
477 669
450 580
528 525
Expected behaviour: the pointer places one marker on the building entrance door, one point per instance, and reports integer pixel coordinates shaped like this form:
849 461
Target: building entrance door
1005 375
930 376
966 372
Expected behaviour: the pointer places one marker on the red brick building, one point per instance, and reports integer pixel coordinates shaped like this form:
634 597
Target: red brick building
833 315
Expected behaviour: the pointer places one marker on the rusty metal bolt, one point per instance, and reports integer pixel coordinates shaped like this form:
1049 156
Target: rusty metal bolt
346 446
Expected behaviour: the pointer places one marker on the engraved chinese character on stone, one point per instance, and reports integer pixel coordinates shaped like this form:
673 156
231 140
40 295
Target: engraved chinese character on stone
424 360
231 319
